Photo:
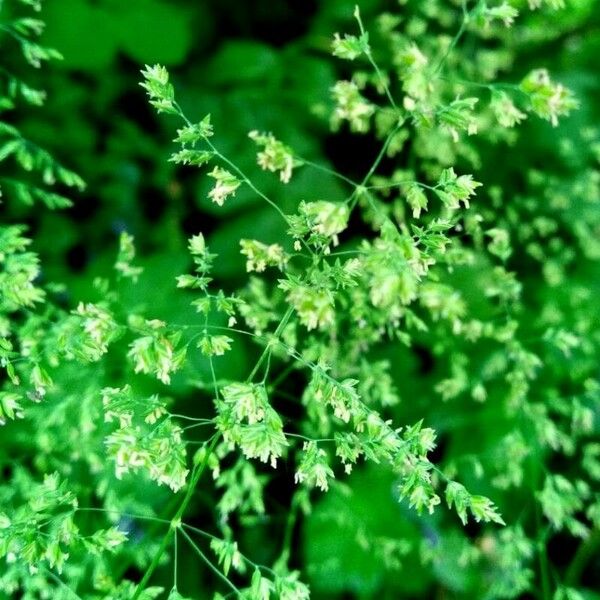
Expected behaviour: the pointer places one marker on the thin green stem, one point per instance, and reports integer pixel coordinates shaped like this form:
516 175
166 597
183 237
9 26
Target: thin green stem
263 356
268 366
289 531
353 199
175 559
329 171
211 363
122 514
202 532
282 376
455 39
197 474
540 545
209 564
586 551
196 419
344 253
196 425
282 394
62 584
542 558
220 327
488 86
308 439
380 156
388 186
382 78
210 536
156 522
246 180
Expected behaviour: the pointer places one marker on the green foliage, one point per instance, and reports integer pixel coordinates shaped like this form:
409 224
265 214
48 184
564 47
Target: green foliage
380 382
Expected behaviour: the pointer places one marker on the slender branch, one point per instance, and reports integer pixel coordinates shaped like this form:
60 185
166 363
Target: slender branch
586 551
455 39
308 439
370 58
175 559
174 522
327 170
289 531
122 514
353 198
62 584
261 358
246 180
209 564
380 156
210 536
281 377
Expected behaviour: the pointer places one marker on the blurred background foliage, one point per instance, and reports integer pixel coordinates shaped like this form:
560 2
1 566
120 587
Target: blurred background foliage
266 65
